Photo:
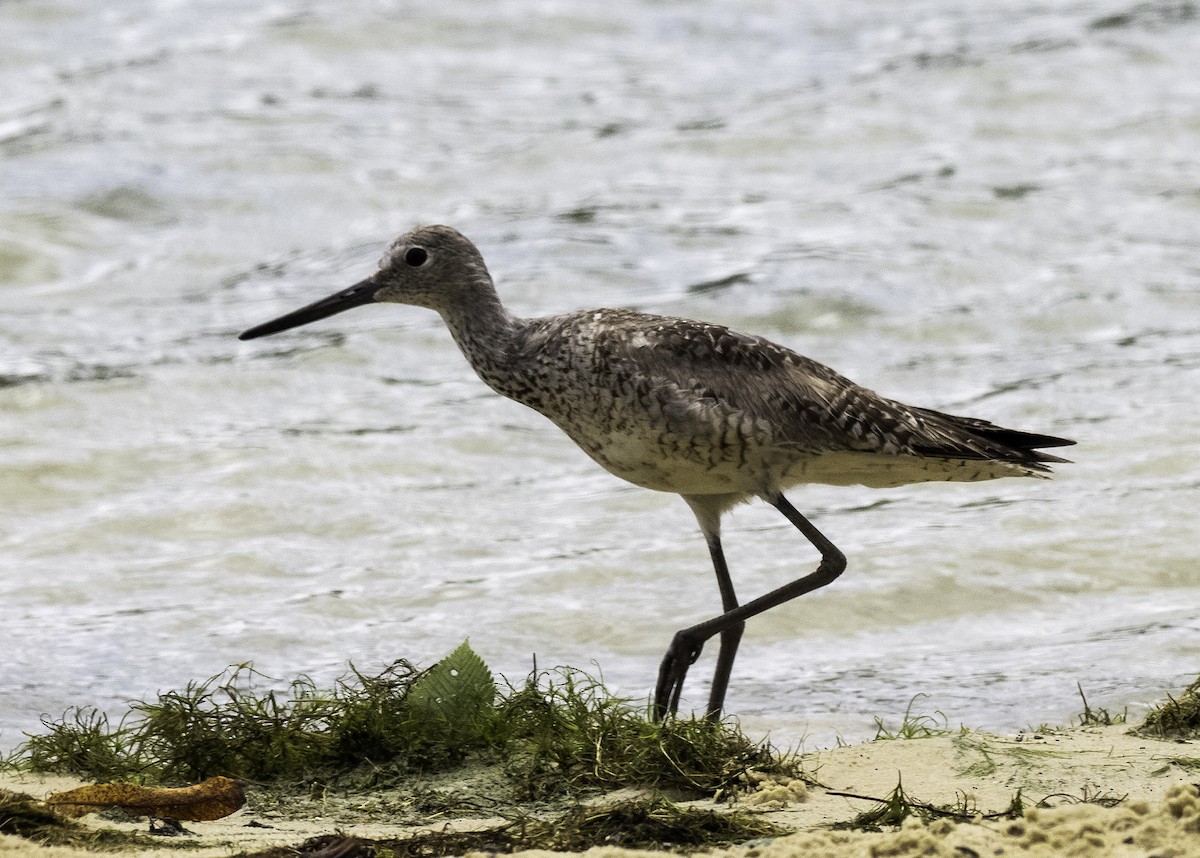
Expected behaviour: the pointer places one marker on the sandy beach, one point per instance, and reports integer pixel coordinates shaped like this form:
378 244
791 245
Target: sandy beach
1096 791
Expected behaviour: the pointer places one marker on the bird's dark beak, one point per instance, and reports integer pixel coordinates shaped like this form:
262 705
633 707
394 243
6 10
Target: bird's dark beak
355 296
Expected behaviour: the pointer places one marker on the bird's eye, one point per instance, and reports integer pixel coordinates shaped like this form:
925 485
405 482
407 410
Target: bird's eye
415 256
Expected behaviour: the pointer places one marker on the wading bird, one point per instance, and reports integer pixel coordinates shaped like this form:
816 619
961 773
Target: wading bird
674 405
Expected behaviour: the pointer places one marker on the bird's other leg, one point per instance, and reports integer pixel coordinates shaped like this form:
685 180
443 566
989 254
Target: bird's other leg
684 651
730 637
686 646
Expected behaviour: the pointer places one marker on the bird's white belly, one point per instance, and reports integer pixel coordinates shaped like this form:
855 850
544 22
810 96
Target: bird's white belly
668 464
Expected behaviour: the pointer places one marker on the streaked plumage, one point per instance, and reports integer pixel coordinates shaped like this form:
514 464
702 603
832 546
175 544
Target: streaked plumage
688 407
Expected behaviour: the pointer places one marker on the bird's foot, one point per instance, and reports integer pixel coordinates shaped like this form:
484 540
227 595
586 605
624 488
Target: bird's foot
681 654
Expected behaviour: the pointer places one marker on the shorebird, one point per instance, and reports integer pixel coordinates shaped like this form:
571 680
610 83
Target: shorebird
688 407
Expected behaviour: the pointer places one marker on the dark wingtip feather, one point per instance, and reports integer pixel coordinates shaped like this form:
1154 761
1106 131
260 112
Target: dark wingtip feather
1009 444
1027 443
1020 440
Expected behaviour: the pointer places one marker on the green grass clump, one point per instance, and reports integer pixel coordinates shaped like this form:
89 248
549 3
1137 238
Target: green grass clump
223 726
1178 718
912 726
81 742
415 720
226 725
566 728
559 733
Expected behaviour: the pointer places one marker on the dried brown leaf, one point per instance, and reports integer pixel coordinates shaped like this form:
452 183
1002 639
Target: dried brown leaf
212 799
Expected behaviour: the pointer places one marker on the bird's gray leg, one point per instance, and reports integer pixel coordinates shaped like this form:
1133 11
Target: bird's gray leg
673 670
675 664
686 645
730 637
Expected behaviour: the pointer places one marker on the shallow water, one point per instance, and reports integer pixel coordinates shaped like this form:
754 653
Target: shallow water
990 210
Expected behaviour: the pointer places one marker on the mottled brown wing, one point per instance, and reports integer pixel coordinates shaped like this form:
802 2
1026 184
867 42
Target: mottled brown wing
806 403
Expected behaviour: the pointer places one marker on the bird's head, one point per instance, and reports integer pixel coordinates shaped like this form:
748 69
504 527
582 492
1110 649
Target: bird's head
431 266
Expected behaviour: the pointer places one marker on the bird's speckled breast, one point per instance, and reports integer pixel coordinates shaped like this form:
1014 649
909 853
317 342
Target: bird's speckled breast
642 428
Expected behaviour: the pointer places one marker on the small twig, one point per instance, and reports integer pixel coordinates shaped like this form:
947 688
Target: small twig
1087 710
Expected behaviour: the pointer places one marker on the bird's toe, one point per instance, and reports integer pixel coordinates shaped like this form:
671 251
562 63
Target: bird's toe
680 655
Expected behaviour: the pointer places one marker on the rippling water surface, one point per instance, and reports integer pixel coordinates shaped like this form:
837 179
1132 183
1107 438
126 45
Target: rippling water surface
991 210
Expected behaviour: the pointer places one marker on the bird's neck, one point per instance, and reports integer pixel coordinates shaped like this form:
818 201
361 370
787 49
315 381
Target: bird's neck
486 334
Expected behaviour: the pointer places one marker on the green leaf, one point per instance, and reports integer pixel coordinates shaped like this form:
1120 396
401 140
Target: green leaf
454 697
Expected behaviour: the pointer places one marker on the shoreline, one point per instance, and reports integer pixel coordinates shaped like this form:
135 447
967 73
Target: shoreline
1097 786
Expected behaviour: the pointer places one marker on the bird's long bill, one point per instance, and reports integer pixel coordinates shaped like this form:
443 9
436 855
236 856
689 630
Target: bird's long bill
355 296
